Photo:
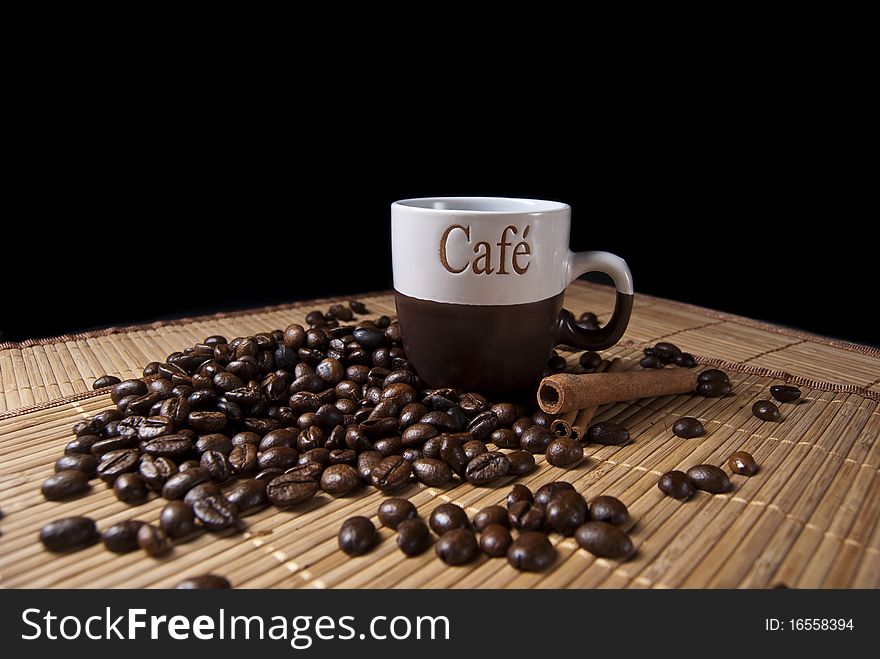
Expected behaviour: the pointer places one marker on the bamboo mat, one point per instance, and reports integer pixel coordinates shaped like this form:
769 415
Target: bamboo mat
807 519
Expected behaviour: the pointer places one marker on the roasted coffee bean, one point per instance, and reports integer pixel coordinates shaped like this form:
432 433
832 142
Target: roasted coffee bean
214 442
366 462
546 492
182 482
688 427
144 404
109 430
260 426
531 551
460 419
536 439
590 360
293 488
87 464
206 422
243 458
742 463
766 411
526 516
666 352
343 456
247 494
389 446
504 438
65 483
328 417
81 445
607 433
432 448
651 362
294 336
319 455
153 540
566 511
448 516
127 388
714 388
169 446
418 433
267 475
357 536
556 363
120 462
175 409
130 488
156 471
542 419
491 515
506 413
204 582
394 510
369 338
440 420
604 539
383 322
202 399
431 471
340 480
69 533
474 448
201 491
521 462
785 393
378 428
495 540
226 381
473 404
87 427
709 478
609 509
122 536
105 381
215 512
712 374
112 444
280 456
391 473
483 425
457 546
676 484
413 536
358 307
518 493
564 452
411 454
685 360
486 468
177 519
106 416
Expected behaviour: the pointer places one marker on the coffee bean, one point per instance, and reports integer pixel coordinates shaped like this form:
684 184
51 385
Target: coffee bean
666 352
536 439
564 452
294 487
116 463
688 427
765 410
69 533
473 404
495 540
357 536
358 307
448 516
542 419
546 492
590 360
518 493
113 444
182 482
65 483
201 491
156 471
604 540
105 381
170 446
521 462
566 511
206 422
394 510
742 463
491 515
280 457
204 582
418 433
676 484
556 363
785 393
413 536
217 465
712 374
243 458
215 512
127 388
153 540
457 546
714 388
81 445
177 519
87 464
609 509
294 336
486 468
531 551
709 478
391 473
685 360
608 433
526 516
474 448
247 495
650 362
340 480
366 462
130 488
452 452
431 472
122 536
214 442
504 438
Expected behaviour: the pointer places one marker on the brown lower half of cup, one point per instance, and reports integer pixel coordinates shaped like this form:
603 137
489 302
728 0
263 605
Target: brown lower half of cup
500 351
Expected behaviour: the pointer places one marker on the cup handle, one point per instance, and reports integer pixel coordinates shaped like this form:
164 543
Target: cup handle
568 332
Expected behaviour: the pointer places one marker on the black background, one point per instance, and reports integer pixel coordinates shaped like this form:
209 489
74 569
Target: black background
135 224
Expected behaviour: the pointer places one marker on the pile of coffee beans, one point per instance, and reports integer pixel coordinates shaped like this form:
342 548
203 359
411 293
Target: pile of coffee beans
664 353
518 531
706 477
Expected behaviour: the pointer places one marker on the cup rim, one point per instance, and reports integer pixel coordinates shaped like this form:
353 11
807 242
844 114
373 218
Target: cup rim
470 205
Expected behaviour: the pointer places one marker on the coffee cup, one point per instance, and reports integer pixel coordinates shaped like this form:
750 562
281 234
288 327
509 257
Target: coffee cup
479 284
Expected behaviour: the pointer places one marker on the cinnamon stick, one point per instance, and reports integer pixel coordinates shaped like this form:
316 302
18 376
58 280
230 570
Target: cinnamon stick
562 425
585 416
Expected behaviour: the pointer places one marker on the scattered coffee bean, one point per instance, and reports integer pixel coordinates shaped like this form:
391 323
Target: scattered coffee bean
766 411
495 540
177 519
785 393
609 509
607 433
294 487
521 462
395 510
357 536
65 483
130 488
564 452
105 381
457 546
743 463
413 536
153 540
490 515
590 360
713 374
340 480
709 478
431 472
69 533
518 493
536 439
448 516
248 494
650 362
393 472
525 516
604 539
676 484
215 512
714 388
685 360
546 492
122 536
688 427
531 551
201 491
86 463
566 511
487 468
182 482
204 582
